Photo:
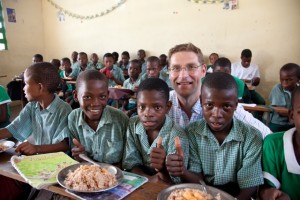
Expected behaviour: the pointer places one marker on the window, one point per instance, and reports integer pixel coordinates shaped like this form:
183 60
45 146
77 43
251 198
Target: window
3 41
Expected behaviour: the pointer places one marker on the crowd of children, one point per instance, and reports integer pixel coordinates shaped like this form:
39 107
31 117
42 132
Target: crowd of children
197 131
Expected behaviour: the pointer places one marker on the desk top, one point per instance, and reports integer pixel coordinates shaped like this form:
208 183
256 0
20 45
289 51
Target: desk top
147 191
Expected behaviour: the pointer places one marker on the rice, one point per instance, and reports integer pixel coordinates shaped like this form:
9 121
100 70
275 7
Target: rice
190 194
90 178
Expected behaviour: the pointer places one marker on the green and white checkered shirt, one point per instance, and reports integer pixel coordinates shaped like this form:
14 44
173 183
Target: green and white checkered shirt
137 149
106 144
237 159
48 126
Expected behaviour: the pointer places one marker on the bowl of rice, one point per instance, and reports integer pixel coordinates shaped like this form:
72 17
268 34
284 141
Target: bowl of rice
191 191
88 178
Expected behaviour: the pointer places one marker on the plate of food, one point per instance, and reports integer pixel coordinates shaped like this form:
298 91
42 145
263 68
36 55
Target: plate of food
5 145
188 191
88 178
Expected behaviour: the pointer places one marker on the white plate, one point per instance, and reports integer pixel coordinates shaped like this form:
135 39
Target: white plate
112 169
7 144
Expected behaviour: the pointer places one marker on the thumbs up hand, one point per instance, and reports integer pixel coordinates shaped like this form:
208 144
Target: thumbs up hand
77 149
158 156
175 162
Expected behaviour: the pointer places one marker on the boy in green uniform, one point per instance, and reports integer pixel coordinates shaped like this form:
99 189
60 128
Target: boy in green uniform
224 151
281 158
4 108
96 129
151 135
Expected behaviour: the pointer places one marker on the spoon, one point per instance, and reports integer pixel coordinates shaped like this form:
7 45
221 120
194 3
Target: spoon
111 169
205 189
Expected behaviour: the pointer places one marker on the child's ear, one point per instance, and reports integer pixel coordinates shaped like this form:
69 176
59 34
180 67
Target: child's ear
75 95
169 105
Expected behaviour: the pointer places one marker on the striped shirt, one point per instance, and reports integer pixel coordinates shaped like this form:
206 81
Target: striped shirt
48 126
106 143
237 159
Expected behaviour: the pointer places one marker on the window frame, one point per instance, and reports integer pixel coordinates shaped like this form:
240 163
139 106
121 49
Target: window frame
2 29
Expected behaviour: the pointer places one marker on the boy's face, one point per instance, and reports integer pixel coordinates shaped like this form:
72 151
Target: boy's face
94 58
74 56
108 62
294 114
32 89
186 83
125 59
141 55
153 70
163 60
218 108
288 79
152 109
134 70
66 66
36 60
213 58
226 70
92 96
245 61
83 60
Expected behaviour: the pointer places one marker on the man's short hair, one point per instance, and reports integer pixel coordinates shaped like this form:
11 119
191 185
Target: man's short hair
246 53
189 47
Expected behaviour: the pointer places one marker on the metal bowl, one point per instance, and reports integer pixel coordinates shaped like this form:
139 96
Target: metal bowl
164 194
112 169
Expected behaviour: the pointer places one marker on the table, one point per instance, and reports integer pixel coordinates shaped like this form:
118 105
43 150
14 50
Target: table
147 191
268 109
3 76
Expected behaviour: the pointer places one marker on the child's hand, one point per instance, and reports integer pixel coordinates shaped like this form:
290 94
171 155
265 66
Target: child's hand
78 149
27 148
175 162
273 194
158 156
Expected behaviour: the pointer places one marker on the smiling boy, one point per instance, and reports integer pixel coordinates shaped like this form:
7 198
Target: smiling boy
224 151
96 129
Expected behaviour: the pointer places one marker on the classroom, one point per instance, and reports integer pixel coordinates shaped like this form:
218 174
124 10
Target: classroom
55 29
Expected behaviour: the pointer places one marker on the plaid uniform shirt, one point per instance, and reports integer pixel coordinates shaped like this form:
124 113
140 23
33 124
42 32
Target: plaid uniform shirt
237 159
137 149
48 126
106 143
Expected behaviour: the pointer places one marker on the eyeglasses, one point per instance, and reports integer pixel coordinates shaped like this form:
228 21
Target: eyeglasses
188 68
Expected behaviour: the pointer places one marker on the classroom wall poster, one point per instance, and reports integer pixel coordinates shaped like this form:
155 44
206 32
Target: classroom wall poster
230 4
11 15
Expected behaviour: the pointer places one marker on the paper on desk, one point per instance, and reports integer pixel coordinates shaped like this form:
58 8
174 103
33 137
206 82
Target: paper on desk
248 104
41 170
130 183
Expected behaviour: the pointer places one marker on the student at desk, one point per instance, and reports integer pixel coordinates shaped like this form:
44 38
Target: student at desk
280 96
44 117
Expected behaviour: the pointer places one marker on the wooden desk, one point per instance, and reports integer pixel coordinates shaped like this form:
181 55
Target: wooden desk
147 191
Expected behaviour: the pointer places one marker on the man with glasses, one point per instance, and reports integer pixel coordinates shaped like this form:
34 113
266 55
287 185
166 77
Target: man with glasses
186 70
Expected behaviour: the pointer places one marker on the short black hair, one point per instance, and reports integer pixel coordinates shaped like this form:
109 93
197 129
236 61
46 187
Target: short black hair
44 73
65 59
56 63
125 53
115 55
39 57
136 61
294 92
246 53
222 62
291 67
220 81
153 59
108 55
83 54
156 84
88 75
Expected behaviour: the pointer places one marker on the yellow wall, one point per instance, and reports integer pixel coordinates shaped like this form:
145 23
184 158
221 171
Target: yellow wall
269 28
25 38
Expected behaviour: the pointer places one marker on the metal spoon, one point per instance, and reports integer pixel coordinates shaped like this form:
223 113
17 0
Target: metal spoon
205 189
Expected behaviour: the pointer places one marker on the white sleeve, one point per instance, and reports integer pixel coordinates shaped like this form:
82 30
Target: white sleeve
256 72
248 118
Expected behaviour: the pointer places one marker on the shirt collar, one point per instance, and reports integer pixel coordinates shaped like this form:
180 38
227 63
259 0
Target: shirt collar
175 102
52 107
289 153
